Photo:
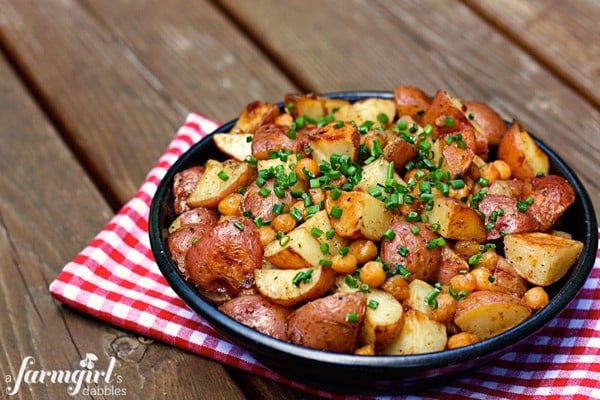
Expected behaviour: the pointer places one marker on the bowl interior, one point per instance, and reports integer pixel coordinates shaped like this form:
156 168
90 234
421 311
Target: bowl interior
369 374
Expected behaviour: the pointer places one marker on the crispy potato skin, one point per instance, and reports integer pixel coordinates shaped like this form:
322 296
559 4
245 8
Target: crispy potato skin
423 263
322 323
552 195
184 183
255 115
518 149
262 206
272 138
411 101
506 279
450 265
259 313
488 119
180 241
224 260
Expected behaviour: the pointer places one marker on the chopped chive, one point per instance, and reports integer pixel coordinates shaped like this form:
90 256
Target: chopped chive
316 232
373 304
222 175
297 214
239 225
403 251
389 235
330 233
264 192
302 276
352 317
336 212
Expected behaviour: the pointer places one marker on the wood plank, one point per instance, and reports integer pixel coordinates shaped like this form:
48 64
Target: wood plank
48 209
119 105
563 35
377 45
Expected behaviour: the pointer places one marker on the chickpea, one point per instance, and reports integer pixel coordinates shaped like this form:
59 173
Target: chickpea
344 264
462 282
283 222
466 248
536 298
446 307
459 194
397 286
461 339
230 205
301 207
503 169
363 250
482 278
310 165
489 172
489 259
373 274
266 235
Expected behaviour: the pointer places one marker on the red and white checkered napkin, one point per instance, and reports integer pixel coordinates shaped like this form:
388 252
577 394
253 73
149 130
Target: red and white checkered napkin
116 279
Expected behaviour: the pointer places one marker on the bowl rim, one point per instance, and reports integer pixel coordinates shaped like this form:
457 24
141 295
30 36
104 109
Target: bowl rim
252 340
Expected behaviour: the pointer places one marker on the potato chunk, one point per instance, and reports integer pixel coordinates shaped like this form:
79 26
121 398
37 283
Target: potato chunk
367 110
456 220
418 335
487 313
541 258
235 146
218 180
334 138
518 149
383 320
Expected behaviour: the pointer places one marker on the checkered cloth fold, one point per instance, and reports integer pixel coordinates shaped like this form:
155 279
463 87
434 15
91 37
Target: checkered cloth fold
116 279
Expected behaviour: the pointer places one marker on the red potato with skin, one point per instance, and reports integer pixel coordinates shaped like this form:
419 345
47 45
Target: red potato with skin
518 149
488 119
257 312
255 115
552 195
223 262
271 139
411 101
508 219
423 263
184 183
181 240
262 206
198 215
330 323
506 279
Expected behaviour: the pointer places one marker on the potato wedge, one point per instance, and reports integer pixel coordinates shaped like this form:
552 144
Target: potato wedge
367 110
450 265
507 280
279 285
418 335
254 115
300 249
518 149
411 101
362 215
488 119
375 175
384 319
331 323
237 146
487 313
334 138
320 221
418 290
456 220
541 258
218 180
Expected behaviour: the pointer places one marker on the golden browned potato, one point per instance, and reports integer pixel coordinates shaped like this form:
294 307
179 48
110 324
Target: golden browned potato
384 319
219 180
518 149
488 119
312 106
487 313
258 313
261 205
360 215
224 259
419 334
541 258
330 323
507 187
184 183
456 220
411 101
506 279
503 216
409 248
451 264
552 195
368 110
334 138
457 151
255 115
237 146
375 174
400 152
272 138
291 287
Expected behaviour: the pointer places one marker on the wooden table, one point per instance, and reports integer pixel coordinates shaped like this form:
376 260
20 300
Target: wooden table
91 92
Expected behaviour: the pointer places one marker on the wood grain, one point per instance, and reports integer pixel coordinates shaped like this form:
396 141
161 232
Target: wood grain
378 45
49 209
562 35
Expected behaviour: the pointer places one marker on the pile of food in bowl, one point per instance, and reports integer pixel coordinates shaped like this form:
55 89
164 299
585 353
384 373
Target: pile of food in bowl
395 226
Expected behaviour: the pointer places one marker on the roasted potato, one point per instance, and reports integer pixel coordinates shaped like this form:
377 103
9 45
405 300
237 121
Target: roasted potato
384 319
330 323
507 279
198 215
290 287
541 258
450 265
184 184
180 241
550 197
218 180
258 312
488 119
421 260
487 313
368 110
270 139
419 335
362 215
411 101
236 146
456 220
502 216
224 259
518 149
334 138
255 115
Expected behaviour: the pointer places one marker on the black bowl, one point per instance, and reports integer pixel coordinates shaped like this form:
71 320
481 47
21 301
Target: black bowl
370 374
